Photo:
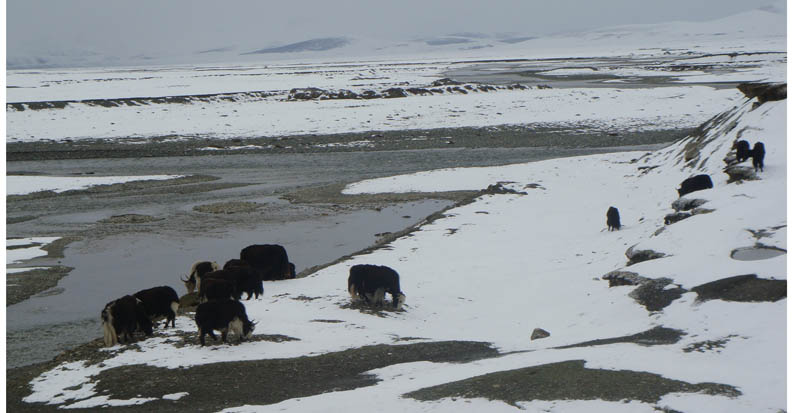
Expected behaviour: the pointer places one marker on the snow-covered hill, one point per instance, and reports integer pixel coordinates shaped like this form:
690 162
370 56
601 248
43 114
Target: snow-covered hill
753 30
497 268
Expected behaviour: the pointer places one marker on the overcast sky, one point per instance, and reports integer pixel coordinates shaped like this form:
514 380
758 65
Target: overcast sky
145 26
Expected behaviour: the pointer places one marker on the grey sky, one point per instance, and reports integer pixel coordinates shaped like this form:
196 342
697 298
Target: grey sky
144 26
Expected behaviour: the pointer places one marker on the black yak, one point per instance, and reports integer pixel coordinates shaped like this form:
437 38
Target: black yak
612 219
372 282
742 150
695 183
758 156
225 316
160 302
196 272
121 318
270 261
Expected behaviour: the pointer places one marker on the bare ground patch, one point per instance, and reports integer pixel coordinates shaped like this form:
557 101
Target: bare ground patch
255 382
568 380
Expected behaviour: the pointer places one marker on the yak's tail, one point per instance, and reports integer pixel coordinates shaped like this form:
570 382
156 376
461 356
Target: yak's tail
109 334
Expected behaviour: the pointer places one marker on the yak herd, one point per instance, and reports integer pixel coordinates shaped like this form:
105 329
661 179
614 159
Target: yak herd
219 291
703 181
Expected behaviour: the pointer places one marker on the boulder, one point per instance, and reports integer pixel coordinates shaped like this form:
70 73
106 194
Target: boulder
394 92
618 277
445 82
670 219
765 92
739 172
306 93
684 204
654 295
498 188
637 256
539 333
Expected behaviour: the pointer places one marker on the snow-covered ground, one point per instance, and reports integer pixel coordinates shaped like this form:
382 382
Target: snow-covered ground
19 250
251 99
601 109
495 269
27 184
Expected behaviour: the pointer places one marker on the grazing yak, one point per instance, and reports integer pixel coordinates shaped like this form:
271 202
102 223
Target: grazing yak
218 289
758 156
612 219
225 316
121 318
270 261
245 278
742 150
235 263
160 302
371 283
695 183
196 272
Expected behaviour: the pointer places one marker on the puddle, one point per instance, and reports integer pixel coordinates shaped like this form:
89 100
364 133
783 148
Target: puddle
756 253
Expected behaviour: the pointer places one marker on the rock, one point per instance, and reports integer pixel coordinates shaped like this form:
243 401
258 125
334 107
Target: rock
683 204
498 188
742 288
765 92
698 211
188 302
445 82
617 277
637 256
307 93
739 172
343 94
419 91
394 92
670 219
653 295
730 158
539 333
369 94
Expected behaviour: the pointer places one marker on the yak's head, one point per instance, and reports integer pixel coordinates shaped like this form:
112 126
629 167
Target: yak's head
398 300
247 328
190 283
290 271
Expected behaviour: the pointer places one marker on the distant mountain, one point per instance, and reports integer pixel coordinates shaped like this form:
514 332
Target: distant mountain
762 29
217 50
471 35
313 45
441 41
512 40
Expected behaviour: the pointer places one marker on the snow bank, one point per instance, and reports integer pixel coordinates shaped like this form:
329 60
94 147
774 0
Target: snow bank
19 250
27 184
